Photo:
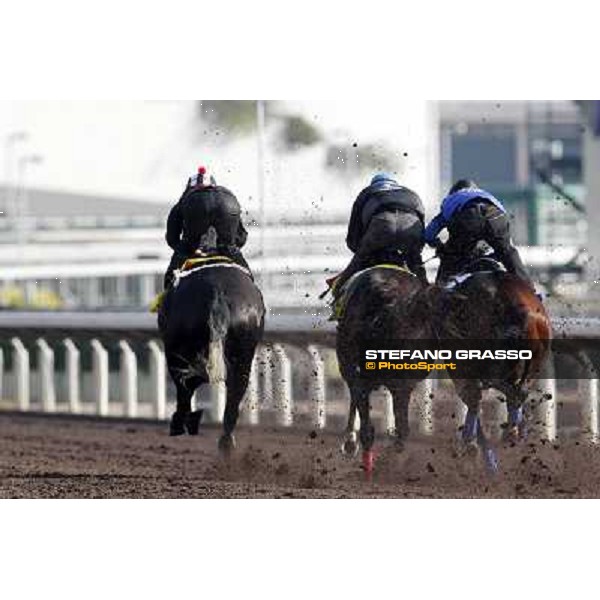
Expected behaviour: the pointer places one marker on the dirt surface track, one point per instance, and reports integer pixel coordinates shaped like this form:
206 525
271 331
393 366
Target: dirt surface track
61 457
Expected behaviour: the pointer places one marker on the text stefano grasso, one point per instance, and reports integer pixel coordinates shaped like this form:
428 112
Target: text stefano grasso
458 354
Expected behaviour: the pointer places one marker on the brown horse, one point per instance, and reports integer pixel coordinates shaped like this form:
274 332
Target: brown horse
382 305
495 305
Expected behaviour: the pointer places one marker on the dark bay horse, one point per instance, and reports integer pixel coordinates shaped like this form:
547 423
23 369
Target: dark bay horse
211 323
383 305
495 305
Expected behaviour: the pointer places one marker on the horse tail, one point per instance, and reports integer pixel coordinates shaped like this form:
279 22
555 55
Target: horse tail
536 323
218 325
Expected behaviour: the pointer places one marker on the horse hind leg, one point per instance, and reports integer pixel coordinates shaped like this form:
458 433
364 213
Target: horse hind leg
184 419
473 435
401 399
516 427
350 442
237 383
186 380
367 430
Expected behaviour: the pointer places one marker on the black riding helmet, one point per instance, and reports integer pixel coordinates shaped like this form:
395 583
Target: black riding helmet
462 184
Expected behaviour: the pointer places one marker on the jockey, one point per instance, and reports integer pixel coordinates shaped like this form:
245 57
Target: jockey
387 219
204 204
472 215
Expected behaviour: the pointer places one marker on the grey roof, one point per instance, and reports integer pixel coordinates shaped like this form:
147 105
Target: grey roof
50 203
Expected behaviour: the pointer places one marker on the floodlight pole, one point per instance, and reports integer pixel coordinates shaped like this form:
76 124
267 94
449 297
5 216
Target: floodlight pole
9 192
260 138
22 197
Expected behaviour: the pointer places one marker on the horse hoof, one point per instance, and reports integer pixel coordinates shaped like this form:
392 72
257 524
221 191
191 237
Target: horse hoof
177 425
368 462
350 446
226 445
192 422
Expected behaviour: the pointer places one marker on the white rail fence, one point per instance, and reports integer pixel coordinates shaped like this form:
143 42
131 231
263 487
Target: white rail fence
127 388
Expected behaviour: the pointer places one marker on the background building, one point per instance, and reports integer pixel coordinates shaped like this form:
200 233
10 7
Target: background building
530 153
87 187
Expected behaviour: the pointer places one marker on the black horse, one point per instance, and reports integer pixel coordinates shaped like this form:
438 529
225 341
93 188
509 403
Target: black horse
383 305
211 323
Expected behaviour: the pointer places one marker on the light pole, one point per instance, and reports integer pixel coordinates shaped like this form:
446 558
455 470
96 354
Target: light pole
23 197
9 192
260 138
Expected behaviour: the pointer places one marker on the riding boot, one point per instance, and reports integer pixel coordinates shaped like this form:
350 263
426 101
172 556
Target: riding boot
177 260
356 264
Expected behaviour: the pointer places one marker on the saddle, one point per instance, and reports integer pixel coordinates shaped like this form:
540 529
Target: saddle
340 296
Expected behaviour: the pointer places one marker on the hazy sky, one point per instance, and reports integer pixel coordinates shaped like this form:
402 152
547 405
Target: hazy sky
146 150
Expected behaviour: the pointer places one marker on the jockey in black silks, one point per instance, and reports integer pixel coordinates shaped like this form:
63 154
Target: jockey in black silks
204 204
472 215
386 225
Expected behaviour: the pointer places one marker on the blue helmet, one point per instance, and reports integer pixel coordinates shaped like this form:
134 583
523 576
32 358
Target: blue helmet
382 177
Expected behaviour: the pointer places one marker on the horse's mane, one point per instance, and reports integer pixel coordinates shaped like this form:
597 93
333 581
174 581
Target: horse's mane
389 289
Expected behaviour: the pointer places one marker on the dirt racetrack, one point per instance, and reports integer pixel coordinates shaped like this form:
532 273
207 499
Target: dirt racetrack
64 457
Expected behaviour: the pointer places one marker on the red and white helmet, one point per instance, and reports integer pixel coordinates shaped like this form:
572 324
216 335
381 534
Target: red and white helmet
202 178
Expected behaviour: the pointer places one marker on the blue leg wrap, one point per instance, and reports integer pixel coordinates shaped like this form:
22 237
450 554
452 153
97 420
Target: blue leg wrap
515 416
471 427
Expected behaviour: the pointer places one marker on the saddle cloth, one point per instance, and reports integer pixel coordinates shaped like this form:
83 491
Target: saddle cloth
338 304
191 265
200 262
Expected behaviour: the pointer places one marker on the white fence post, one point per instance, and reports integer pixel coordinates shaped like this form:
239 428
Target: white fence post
73 375
128 378
588 399
253 413
215 396
588 394
423 406
388 409
545 411
282 386
100 376
158 379
498 412
46 373
21 369
265 374
316 387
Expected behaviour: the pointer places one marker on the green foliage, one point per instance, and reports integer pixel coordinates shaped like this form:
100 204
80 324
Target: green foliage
232 115
298 133
371 157
375 157
229 114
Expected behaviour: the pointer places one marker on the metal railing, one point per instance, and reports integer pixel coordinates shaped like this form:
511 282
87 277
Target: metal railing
125 372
